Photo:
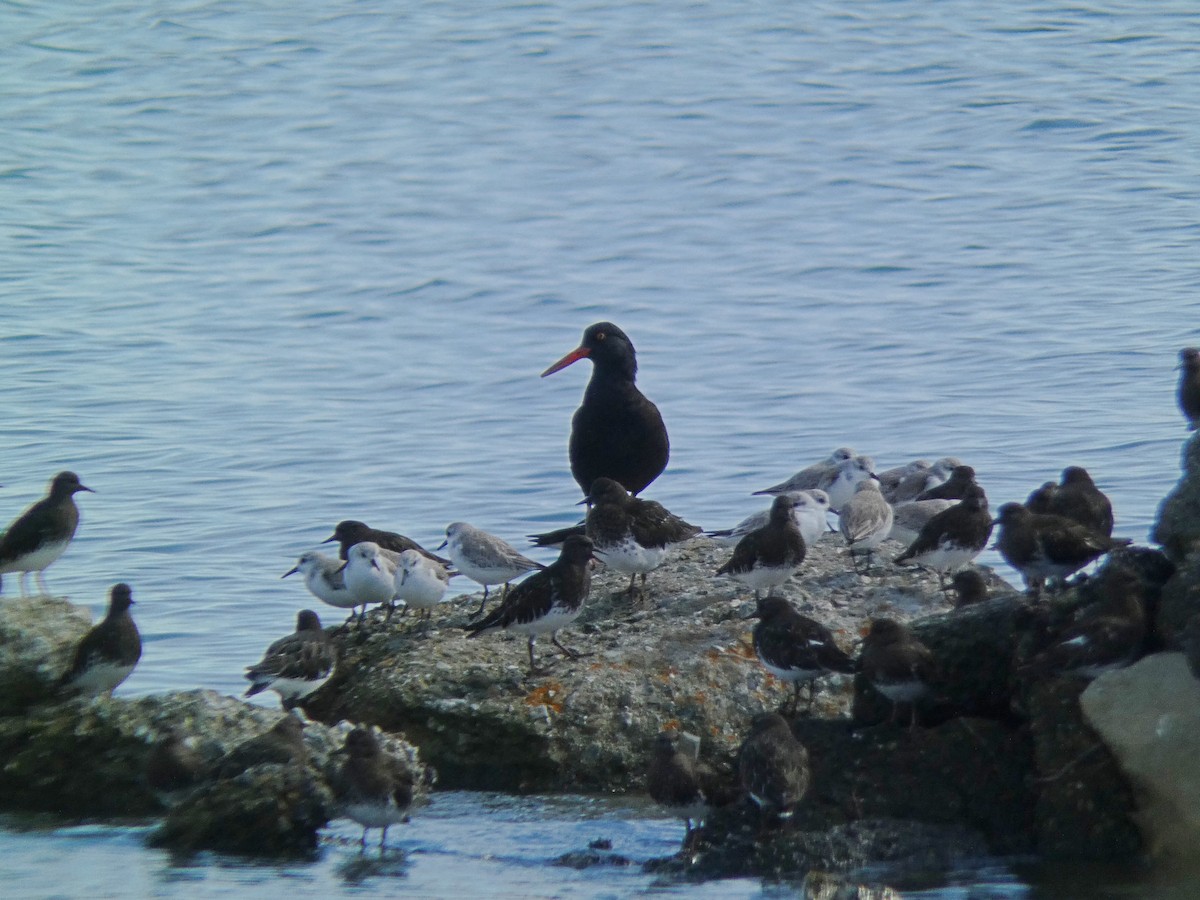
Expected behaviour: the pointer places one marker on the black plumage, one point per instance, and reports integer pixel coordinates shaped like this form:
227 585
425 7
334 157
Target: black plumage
373 787
686 786
1043 547
953 488
109 652
969 587
1077 497
795 648
546 601
773 766
350 532
1188 393
629 534
616 432
40 535
895 662
767 556
953 537
297 665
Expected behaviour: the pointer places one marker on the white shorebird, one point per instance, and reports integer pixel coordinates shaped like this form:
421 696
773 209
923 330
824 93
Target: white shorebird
866 520
890 479
811 476
421 582
484 558
370 573
841 483
809 512
325 580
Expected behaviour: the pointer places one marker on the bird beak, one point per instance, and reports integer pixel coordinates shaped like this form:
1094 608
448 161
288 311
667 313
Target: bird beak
84 487
342 567
292 571
873 475
331 538
587 499
442 545
574 356
375 564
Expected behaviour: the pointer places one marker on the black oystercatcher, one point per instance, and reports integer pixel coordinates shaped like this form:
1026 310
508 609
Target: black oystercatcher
616 432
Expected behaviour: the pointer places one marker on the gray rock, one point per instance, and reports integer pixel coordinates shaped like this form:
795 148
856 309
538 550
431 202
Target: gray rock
37 642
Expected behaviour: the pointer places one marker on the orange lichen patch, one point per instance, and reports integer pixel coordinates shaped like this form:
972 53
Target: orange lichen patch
666 674
548 695
672 725
700 697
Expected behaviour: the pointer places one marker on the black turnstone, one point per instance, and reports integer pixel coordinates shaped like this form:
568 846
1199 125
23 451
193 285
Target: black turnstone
420 582
1103 636
173 765
40 535
282 744
811 476
1043 547
1189 643
1189 386
1077 497
108 653
773 766
953 488
767 556
325 580
865 520
373 787
546 601
485 558
909 518
350 532
969 587
678 781
616 432
809 511
630 535
1041 500
897 665
954 537
297 665
795 648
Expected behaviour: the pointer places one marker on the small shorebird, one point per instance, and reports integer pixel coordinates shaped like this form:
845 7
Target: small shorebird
954 537
325 580
897 665
371 575
373 787
108 653
40 535
841 483
617 432
766 557
811 476
350 532
297 665
809 511
865 520
545 601
795 648
420 582
485 558
1043 547
773 766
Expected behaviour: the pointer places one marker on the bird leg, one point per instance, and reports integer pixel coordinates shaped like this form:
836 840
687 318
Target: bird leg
534 668
24 592
570 652
41 581
483 602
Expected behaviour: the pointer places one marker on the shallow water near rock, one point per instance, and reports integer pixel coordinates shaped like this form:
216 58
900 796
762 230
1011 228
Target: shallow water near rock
269 266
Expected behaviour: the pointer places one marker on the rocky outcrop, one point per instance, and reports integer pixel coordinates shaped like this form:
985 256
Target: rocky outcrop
1177 527
38 636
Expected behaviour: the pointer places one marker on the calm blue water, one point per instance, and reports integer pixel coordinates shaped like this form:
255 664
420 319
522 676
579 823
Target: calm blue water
268 266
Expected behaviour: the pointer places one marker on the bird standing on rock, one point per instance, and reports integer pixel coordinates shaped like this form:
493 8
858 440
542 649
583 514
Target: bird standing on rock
954 537
795 648
809 511
297 665
773 766
953 488
897 665
545 601
1043 547
109 652
767 556
617 432
631 535
40 535
866 520
485 558
811 476
679 782
350 532
1077 497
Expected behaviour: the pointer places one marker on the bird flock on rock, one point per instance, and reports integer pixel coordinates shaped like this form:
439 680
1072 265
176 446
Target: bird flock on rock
618 446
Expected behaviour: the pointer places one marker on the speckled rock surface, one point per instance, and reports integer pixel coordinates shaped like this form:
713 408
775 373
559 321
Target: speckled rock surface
38 636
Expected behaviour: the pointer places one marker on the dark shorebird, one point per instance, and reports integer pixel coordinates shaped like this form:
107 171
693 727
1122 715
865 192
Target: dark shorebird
809 511
1045 547
325 579
865 520
909 518
1077 497
922 479
108 653
767 556
811 476
616 432
40 535
1188 394
795 648
297 665
373 787
953 488
630 535
350 532
1041 500
282 744
773 766
546 601
897 665
954 537
173 766
1106 635
678 781
485 558
969 587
